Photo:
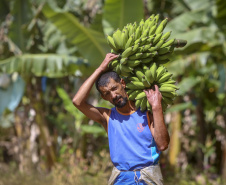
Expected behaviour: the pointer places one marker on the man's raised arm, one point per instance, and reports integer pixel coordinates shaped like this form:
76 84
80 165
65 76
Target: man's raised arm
80 99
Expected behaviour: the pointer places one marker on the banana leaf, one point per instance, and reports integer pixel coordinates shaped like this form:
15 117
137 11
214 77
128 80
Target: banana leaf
91 44
50 65
118 13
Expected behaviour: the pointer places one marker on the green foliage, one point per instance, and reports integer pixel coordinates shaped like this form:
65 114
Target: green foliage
50 65
91 44
118 13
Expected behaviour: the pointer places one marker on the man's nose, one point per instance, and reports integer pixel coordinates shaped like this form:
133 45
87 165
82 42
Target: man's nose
113 95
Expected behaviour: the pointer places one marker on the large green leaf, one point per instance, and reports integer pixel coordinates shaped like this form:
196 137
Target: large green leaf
91 44
187 84
11 96
182 22
180 107
50 65
221 6
22 14
118 13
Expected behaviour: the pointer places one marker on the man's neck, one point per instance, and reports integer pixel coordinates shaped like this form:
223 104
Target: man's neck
128 108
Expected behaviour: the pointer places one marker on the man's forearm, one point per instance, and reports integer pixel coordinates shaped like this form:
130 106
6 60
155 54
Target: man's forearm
84 90
161 134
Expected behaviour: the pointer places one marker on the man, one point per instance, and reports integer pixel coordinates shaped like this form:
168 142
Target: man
135 138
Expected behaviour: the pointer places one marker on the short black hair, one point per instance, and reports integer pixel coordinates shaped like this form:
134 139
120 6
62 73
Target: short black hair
104 78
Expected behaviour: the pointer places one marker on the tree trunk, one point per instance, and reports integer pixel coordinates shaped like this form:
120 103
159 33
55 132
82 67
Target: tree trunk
174 138
201 135
36 97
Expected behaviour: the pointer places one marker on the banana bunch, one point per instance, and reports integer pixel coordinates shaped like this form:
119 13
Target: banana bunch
146 78
142 43
142 49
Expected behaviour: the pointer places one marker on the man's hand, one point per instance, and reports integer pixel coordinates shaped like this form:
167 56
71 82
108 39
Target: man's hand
109 57
154 97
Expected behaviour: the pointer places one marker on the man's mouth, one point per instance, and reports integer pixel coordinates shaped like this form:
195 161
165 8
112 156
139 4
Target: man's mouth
117 100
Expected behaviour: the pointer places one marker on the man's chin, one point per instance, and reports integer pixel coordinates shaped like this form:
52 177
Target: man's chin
121 104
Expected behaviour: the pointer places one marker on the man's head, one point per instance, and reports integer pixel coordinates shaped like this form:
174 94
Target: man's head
112 88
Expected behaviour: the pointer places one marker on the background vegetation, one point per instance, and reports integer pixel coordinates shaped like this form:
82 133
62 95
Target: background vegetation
47 50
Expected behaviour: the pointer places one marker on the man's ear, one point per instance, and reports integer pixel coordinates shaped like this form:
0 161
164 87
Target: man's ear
123 83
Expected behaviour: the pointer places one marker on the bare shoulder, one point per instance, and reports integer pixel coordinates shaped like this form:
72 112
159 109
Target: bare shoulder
106 113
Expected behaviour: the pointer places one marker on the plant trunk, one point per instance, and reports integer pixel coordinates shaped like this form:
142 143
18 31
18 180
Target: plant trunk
201 136
174 138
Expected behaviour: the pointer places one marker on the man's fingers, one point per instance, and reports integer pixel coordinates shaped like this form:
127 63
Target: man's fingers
156 88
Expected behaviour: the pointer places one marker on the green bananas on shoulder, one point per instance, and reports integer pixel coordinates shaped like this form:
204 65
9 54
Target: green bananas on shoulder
143 48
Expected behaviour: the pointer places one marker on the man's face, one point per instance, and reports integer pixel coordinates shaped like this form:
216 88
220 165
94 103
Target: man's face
115 93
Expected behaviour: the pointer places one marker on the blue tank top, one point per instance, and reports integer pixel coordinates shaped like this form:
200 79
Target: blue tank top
131 143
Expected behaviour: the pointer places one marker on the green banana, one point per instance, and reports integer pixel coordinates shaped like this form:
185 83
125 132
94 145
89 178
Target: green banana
150 39
131 86
164 50
159 29
146 60
133 78
152 30
139 73
146 23
167 35
113 64
167 100
111 43
129 91
170 81
135 56
144 48
145 33
127 52
166 89
134 94
168 43
138 32
160 43
159 72
151 23
135 48
149 76
143 104
140 95
145 68
137 103
143 41
168 94
129 42
125 69
146 55
117 69
137 41
117 39
123 61
157 38
170 85
145 82
141 23
124 38
133 63
157 17
164 77
162 61
153 70
151 49
139 85
163 57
